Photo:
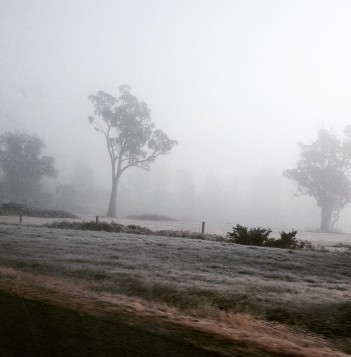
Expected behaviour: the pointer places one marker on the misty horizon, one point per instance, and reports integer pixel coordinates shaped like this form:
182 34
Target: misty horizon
238 84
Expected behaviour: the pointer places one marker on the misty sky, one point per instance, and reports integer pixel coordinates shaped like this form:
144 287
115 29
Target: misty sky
237 83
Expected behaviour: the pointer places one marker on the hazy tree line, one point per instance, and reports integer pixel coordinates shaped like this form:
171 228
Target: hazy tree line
25 175
23 168
322 172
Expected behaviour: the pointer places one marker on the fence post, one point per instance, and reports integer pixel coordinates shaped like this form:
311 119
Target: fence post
203 228
21 216
96 220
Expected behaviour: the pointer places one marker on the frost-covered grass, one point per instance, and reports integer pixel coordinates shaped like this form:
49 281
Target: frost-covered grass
319 240
308 289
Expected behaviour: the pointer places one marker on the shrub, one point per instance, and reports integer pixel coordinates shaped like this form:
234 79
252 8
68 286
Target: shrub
12 208
254 236
131 228
99 226
287 240
135 229
260 237
64 225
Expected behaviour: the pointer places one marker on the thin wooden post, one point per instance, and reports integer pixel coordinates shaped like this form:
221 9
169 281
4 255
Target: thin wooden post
203 228
96 220
21 216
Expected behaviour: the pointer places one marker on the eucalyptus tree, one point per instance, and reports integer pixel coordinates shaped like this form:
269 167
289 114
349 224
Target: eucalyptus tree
130 135
324 172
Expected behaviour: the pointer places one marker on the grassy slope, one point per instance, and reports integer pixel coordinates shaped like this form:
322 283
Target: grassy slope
310 290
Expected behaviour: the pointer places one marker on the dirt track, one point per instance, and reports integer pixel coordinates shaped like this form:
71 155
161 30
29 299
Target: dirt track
44 316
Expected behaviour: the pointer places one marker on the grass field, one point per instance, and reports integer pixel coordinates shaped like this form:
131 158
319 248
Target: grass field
328 240
259 290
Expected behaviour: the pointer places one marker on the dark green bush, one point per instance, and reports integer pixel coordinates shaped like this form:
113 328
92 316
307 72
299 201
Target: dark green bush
287 240
254 236
260 237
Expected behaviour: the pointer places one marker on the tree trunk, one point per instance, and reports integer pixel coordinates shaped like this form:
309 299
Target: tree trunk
335 217
326 214
112 208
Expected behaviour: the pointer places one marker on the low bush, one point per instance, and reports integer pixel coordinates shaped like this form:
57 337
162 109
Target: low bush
64 225
260 237
100 226
131 228
254 236
17 208
13 207
287 240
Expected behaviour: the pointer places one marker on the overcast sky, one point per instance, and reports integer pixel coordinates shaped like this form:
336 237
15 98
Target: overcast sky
237 83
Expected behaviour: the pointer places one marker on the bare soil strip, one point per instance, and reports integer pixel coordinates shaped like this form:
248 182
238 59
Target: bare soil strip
224 335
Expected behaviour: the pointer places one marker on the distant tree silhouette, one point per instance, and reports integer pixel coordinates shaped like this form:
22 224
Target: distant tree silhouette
131 139
323 172
23 167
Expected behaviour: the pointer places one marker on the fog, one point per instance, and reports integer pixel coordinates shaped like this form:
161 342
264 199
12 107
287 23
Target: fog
237 83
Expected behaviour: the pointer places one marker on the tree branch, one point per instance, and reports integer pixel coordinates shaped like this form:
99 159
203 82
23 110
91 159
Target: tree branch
139 163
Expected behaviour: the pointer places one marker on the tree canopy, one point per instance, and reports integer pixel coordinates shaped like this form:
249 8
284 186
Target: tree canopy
23 166
131 137
323 172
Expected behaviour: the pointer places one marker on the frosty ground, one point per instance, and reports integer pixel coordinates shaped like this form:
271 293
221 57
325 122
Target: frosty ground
206 285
